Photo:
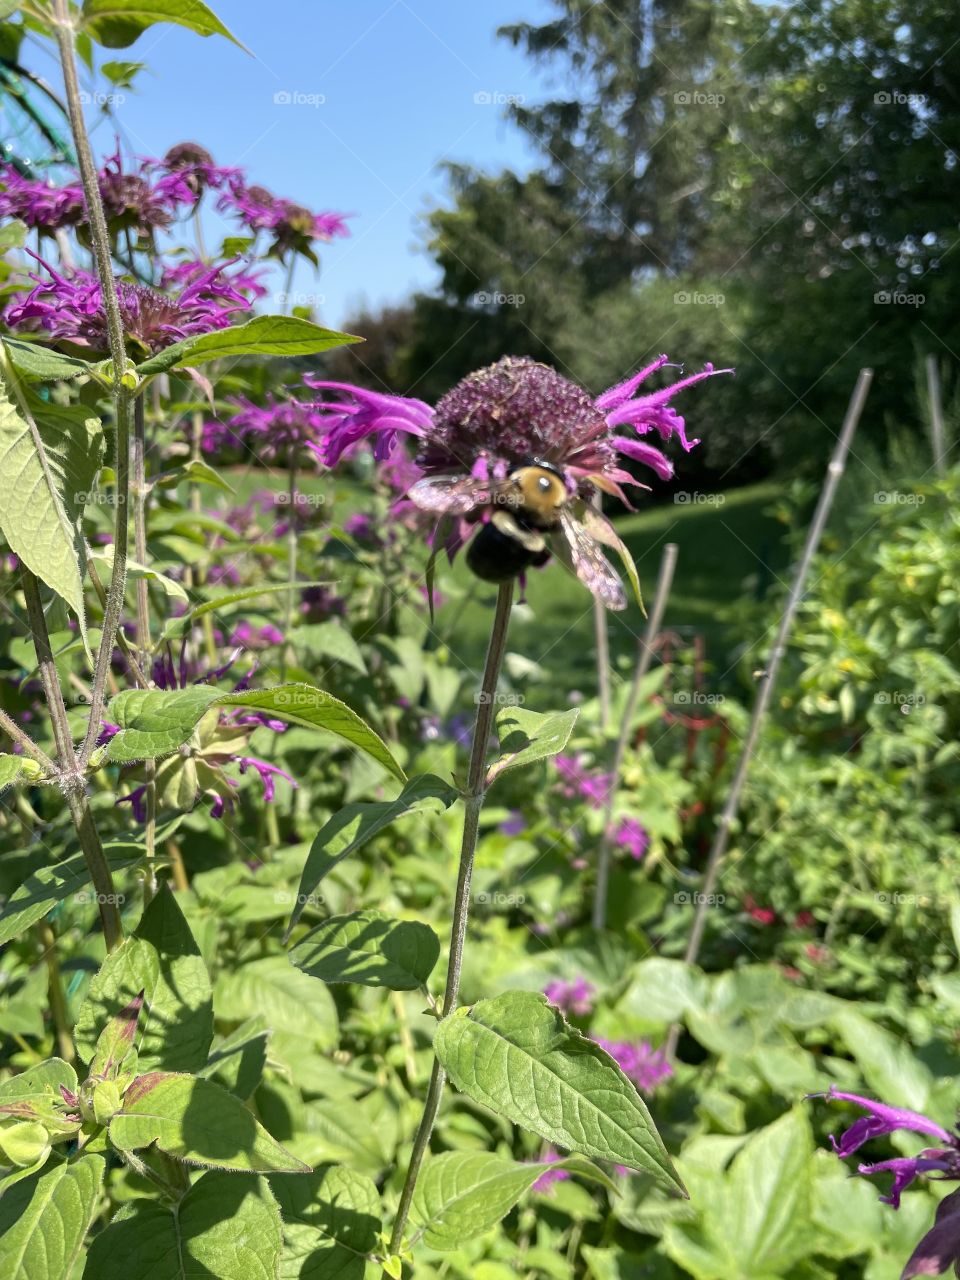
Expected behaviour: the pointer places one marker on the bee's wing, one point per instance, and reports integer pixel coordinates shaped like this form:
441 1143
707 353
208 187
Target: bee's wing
450 495
581 551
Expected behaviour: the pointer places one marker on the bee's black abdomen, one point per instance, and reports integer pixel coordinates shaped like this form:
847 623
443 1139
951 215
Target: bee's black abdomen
496 557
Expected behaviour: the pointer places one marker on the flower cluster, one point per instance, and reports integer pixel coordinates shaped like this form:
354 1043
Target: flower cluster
579 782
573 998
156 193
631 835
940 1247
646 1066
69 305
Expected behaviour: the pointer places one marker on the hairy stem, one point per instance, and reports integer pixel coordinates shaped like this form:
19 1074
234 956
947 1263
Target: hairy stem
58 1003
100 241
70 771
473 803
27 744
143 626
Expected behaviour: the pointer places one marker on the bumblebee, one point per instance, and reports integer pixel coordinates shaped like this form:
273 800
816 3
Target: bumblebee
532 515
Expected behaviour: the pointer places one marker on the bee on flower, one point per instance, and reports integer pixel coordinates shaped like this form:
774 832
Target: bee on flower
512 459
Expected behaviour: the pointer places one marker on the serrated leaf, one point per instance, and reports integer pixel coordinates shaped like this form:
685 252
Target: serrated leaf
37 363
196 1121
156 722
516 1055
331 1221
529 736
224 1226
237 1060
353 825
261 336
44 479
116 24
35 1093
44 1219
162 960
286 999
175 590
462 1194
369 948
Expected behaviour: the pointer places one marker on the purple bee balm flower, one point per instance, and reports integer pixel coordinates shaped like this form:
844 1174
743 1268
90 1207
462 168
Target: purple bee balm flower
882 1119
293 227
189 170
276 427
130 201
268 774
645 1066
504 419
578 781
71 306
549 1177
255 637
633 836
575 998
41 206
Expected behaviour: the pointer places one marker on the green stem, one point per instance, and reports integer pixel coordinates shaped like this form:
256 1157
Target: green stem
30 748
100 242
144 645
70 774
293 549
473 797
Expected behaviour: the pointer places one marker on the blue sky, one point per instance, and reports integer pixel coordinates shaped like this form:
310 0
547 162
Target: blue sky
382 92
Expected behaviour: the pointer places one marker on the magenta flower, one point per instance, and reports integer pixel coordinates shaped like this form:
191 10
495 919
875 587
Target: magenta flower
574 998
578 781
519 423
292 226
130 201
188 170
70 306
633 836
268 774
277 427
550 1177
645 1066
41 206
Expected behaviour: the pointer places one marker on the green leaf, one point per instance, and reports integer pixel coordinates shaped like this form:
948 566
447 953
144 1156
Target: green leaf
14 769
528 736
46 886
116 24
286 999
14 234
198 1122
135 571
43 1220
331 1221
177 626
462 1194
261 336
116 1041
353 825
224 1226
332 642
197 471
237 1060
162 960
45 475
156 722
35 1094
37 363
516 1055
369 948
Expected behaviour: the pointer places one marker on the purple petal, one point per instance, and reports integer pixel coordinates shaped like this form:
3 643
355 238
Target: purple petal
940 1247
881 1120
646 454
